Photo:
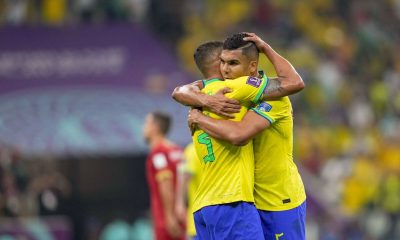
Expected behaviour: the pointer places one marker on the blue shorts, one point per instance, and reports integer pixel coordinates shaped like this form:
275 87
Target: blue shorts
238 220
284 225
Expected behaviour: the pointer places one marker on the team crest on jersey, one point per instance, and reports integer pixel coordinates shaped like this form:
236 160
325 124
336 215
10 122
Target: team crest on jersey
265 107
253 81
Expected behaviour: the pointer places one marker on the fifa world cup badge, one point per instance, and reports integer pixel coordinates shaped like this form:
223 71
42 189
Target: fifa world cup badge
253 81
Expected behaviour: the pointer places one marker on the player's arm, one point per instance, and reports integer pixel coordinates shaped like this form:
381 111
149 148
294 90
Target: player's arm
165 185
191 95
236 133
288 80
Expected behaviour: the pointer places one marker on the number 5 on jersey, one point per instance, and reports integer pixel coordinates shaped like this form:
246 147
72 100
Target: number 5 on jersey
204 138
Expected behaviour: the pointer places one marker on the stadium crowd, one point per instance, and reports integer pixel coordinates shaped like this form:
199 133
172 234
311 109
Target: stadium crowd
31 188
347 120
347 128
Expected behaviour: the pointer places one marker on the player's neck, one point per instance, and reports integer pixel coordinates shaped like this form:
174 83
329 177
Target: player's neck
213 75
156 140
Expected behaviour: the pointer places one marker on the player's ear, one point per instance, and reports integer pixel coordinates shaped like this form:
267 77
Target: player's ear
253 66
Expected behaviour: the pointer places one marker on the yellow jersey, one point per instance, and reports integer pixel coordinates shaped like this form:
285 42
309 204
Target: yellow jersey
278 185
227 170
193 167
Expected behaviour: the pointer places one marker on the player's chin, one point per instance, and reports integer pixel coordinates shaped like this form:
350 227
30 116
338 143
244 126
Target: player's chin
226 76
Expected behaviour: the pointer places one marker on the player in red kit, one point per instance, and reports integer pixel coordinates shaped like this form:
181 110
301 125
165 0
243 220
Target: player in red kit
161 166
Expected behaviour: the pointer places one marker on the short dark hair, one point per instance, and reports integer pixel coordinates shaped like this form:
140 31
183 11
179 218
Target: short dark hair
236 41
163 120
203 53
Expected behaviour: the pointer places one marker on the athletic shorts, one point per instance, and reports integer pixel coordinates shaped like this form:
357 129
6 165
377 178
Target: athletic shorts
232 221
284 225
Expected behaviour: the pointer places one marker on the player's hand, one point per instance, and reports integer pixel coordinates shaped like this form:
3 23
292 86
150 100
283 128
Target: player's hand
181 212
193 119
256 39
173 227
222 105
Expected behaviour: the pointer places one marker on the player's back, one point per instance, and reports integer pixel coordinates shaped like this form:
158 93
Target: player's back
227 170
278 185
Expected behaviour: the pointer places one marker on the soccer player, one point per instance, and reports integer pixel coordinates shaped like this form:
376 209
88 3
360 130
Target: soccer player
224 203
207 59
188 181
209 62
279 191
161 166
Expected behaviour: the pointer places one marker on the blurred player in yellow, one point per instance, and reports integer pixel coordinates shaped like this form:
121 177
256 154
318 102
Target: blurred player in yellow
223 208
188 181
279 191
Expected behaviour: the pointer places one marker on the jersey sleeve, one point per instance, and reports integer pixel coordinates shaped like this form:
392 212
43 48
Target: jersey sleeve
273 110
247 88
161 165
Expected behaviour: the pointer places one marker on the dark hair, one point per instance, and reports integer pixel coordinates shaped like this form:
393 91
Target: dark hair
204 52
163 120
235 41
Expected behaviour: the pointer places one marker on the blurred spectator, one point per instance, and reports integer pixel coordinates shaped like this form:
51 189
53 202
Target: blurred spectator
15 11
50 189
138 8
54 12
14 180
166 19
85 10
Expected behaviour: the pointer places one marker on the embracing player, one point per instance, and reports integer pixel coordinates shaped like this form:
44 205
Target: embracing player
279 191
225 176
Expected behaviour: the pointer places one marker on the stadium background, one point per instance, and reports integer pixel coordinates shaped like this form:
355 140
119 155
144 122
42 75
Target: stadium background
77 78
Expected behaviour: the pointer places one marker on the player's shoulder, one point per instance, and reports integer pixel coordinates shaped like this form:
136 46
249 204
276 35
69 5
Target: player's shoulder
213 81
159 160
248 80
163 157
174 152
166 147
